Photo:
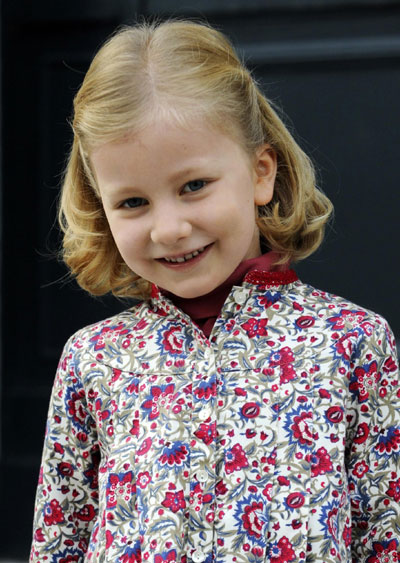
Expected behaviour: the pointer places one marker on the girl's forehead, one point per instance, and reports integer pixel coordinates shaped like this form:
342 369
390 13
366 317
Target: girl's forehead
178 126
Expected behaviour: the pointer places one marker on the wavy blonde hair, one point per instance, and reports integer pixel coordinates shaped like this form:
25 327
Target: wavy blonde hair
181 69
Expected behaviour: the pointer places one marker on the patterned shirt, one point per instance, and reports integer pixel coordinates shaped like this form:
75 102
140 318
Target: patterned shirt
276 439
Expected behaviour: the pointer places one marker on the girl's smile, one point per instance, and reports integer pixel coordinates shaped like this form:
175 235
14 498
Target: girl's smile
186 258
181 203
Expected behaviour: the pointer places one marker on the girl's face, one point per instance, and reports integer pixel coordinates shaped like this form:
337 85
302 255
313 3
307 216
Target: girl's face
181 203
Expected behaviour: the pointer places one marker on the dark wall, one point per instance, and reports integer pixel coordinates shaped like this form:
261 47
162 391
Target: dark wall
334 68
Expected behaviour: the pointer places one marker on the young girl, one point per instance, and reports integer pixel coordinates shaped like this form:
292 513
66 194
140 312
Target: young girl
235 413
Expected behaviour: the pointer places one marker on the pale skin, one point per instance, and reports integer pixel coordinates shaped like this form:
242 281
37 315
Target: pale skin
181 203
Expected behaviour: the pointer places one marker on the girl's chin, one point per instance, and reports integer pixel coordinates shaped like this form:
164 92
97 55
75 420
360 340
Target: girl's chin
192 289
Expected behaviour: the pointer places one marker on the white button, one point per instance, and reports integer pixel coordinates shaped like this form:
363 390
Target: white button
205 413
198 555
240 297
152 501
202 475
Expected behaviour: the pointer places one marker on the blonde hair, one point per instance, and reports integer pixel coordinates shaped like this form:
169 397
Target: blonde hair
181 69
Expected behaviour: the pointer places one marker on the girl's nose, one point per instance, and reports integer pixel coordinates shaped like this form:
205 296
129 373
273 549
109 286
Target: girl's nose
169 227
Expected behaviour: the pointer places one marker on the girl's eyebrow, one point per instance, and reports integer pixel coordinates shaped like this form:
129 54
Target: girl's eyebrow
184 172
194 167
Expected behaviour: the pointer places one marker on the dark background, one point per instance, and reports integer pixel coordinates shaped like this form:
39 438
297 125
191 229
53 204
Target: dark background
333 67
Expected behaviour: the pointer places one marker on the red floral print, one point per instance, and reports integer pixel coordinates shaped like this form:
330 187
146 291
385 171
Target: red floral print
145 447
389 366
282 551
170 557
174 455
160 398
334 414
394 490
132 555
347 535
365 380
362 433
254 327
235 459
389 441
220 488
252 522
384 552
143 479
306 321
320 462
39 536
76 408
53 513
207 432
346 318
284 359
301 429
86 514
360 469
174 501
65 469
332 522
173 340
119 486
109 332
205 392
250 410
344 346
295 500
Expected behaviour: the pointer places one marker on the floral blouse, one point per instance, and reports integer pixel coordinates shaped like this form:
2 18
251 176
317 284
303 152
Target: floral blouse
275 440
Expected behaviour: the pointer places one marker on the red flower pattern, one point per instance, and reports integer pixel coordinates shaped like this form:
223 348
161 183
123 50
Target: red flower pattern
235 459
170 557
53 513
173 340
254 327
284 359
301 429
321 462
119 486
394 490
384 552
252 522
160 398
365 380
174 501
282 551
207 432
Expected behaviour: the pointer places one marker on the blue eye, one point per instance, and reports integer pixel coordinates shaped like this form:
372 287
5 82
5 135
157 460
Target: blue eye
194 186
134 202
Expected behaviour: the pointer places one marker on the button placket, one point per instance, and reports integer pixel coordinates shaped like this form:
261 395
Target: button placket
202 465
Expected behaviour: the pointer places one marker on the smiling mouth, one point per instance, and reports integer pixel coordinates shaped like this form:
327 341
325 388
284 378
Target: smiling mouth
185 257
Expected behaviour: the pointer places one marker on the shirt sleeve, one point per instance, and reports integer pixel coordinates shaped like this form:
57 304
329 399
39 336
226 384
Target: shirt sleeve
67 493
374 447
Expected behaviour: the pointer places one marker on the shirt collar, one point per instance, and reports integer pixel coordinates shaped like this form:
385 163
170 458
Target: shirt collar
258 271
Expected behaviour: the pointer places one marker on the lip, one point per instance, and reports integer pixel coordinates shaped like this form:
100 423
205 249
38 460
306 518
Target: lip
187 263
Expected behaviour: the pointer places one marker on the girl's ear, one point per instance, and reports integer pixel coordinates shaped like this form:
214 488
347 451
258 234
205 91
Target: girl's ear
265 167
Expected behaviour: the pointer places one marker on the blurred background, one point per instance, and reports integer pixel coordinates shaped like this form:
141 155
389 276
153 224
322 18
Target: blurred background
332 66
